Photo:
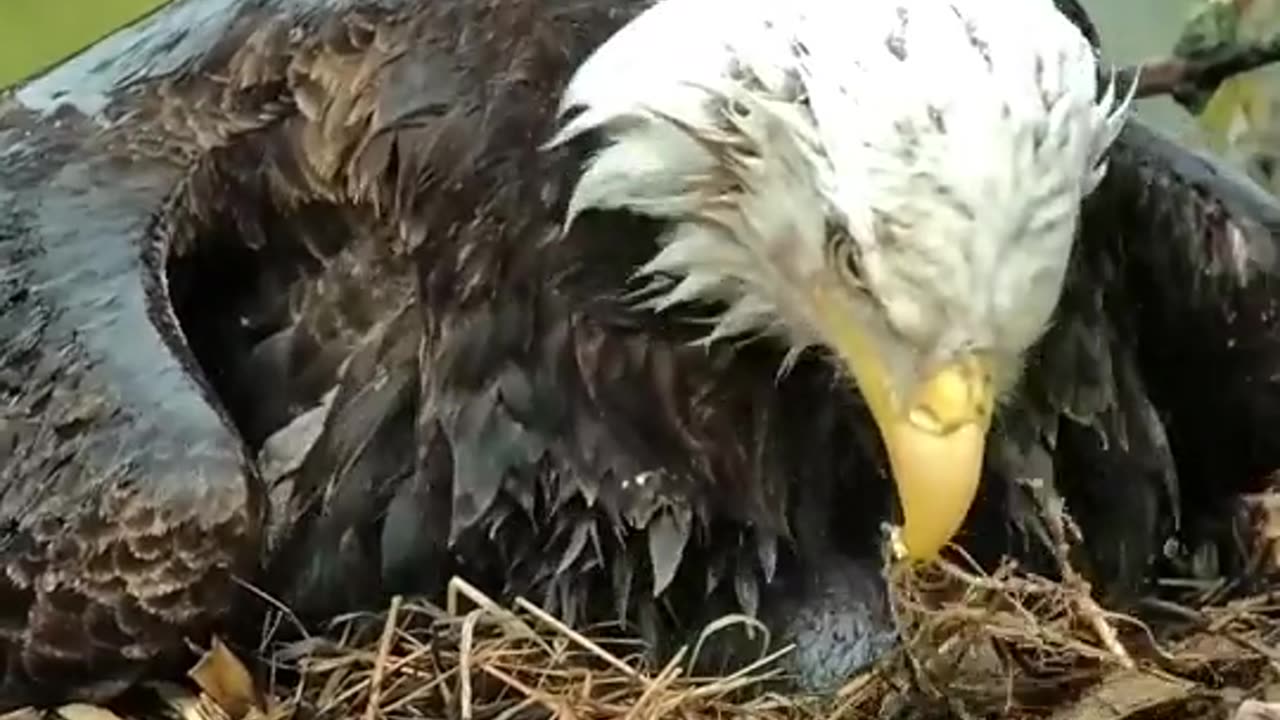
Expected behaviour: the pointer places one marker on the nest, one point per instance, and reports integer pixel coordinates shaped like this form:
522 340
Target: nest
1005 644
1002 644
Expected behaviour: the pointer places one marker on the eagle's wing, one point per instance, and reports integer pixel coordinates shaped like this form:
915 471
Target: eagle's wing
127 501
151 181
1151 399
1199 245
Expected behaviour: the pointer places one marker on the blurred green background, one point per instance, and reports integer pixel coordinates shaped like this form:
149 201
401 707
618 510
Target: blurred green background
37 33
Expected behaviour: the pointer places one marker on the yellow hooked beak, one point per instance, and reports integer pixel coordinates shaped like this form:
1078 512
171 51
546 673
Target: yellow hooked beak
935 439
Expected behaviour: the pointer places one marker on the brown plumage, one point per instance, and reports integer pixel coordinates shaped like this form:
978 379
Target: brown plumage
347 213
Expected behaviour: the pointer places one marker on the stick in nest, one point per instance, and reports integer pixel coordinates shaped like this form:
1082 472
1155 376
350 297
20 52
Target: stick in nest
380 662
958 626
1064 533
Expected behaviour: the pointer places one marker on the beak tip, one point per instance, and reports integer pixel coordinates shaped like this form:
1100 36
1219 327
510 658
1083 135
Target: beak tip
937 478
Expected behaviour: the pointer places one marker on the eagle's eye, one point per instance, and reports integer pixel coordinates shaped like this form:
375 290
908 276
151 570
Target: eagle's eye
845 256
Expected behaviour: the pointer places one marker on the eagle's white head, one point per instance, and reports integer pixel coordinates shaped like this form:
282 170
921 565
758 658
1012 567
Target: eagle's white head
897 180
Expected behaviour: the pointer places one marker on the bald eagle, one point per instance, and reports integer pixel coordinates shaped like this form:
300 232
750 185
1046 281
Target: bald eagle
647 310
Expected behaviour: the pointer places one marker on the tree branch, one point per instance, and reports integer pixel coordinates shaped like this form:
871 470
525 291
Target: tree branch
1192 80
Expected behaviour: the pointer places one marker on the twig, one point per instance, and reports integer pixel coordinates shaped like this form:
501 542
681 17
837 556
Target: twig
582 640
1191 79
1062 530
465 649
550 702
380 663
669 673
284 610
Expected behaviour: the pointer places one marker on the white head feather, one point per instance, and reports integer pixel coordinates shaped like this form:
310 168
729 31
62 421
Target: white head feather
932 154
